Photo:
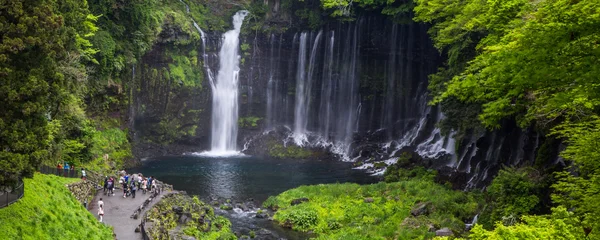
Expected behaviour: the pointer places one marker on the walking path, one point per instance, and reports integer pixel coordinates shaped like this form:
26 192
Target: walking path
118 211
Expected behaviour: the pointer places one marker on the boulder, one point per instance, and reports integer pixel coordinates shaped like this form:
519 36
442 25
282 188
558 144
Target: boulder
262 214
184 219
369 200
444 232
298 201
420 209
178 209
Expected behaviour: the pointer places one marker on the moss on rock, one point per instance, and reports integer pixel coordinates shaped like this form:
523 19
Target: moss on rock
178 215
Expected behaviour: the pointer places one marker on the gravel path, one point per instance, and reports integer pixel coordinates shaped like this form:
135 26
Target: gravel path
118 210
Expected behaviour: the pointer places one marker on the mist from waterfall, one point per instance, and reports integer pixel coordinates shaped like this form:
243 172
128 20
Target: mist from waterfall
225 93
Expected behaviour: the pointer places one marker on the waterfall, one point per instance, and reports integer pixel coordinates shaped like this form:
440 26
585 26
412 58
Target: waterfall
304 75
225 93
327 88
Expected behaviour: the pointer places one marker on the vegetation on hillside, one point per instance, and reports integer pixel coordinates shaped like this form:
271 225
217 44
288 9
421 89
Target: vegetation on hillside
48 210
532 62
376 211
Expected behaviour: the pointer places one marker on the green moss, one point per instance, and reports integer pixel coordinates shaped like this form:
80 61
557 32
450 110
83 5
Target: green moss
247 122
48 210
339 211
276 149
165 219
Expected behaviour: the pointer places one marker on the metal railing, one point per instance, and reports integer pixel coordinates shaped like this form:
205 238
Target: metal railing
10 195
61 172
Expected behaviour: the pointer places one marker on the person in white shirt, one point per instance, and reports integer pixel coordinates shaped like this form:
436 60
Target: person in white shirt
101 213
100 203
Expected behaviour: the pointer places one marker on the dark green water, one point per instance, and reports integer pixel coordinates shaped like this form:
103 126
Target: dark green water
241 178
247 177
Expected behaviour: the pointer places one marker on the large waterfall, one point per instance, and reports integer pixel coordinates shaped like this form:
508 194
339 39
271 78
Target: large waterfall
225 93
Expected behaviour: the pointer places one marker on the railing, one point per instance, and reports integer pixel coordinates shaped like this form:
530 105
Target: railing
61 172
10 195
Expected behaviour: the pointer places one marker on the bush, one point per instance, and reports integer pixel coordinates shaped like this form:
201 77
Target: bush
512 193
339 211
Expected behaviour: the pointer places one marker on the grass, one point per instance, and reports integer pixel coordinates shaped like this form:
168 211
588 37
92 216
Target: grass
340 211
48 210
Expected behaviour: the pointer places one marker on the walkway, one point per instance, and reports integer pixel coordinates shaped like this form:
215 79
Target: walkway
118 210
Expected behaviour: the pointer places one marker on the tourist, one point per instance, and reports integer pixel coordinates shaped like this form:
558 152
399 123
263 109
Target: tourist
105 184
101 213
83 174
150 179
100 203
133 189
111 186
154 187
126 191
133 178
139 180
58 168
144 185
66 168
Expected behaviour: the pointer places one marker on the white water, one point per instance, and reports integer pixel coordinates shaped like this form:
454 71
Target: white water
304 77
225 93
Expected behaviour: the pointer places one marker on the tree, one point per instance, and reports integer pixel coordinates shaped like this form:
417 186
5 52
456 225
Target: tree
38 37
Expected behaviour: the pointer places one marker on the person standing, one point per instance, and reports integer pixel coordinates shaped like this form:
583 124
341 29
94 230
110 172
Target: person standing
66 169
111 186
101 212
83 176
144 185
58 169
100 203
133 189
150 179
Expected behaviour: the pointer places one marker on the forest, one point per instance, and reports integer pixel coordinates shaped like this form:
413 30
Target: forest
68 85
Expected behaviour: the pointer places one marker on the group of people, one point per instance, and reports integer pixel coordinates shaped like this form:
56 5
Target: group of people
69 170
130 183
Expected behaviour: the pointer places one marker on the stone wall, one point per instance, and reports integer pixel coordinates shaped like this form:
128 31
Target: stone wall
84 191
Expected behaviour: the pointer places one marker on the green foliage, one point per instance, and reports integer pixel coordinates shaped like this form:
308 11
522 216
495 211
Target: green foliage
249 122
534 62
48 210
42 45
560 225
404 169
165 220
339 211
388 7
278 150
581 192
513 193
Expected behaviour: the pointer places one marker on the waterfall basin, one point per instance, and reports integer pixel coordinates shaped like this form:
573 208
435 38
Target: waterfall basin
240 178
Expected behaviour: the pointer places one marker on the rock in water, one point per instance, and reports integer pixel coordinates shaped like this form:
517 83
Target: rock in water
444 232
298 201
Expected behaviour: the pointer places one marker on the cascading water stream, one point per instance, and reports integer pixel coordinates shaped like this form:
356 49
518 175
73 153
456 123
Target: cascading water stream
225 93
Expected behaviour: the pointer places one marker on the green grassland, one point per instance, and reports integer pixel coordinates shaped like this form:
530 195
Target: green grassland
48 210
376 211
